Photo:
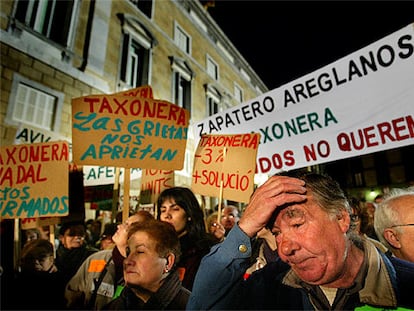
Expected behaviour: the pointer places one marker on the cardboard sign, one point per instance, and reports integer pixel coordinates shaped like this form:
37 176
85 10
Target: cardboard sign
360 104
225 164
153 182
129 132
34 180
142 91
29 223
105 175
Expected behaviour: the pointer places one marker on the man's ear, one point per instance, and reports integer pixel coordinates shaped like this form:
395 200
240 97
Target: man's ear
170 261
344 220
392 238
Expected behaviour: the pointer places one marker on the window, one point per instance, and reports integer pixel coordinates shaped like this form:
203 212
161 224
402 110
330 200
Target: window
145 6
136 53
182 77
34 104
213 98
182 39
212 68
212 106
238 93
52 18
182 92
135 62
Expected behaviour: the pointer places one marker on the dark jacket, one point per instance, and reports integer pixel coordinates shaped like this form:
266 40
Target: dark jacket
382 282
68 261
170 296
38 291
191 255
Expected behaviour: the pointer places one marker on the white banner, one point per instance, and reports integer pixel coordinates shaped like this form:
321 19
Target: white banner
360 104
105 175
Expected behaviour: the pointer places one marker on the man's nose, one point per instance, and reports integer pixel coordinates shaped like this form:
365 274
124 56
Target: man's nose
287 245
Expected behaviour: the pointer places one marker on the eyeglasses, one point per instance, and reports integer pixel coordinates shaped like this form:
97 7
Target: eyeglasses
354 217
404 225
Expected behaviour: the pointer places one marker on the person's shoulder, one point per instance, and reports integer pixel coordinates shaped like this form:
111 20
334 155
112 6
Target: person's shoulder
101 254
272 271
401 265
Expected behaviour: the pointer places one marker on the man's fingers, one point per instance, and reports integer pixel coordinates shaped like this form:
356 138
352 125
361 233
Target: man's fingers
277 191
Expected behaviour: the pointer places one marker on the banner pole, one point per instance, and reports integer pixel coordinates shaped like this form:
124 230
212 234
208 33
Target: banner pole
115 195
127 182
221 190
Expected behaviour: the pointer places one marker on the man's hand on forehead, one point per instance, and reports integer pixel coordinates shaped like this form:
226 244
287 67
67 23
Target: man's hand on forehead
277 192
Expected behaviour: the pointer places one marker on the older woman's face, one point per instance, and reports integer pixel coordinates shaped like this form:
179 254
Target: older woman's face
174 214
143 266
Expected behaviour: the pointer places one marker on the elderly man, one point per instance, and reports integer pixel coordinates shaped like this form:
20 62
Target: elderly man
324 264
394 223
229 217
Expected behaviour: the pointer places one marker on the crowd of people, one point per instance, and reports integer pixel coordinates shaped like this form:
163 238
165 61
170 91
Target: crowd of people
300 243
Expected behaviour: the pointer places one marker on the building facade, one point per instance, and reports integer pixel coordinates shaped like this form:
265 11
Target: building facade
53 51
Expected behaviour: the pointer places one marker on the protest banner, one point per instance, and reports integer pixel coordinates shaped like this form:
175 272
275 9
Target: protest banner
224 166
144 91
360 104
153 182
29 223
129 132
103 175
94 175
34 180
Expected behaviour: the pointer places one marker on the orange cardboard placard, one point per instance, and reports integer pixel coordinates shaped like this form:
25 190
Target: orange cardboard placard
154 181
34 180
129 132
225 165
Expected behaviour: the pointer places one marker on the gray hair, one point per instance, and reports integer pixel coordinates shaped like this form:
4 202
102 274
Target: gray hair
387 216
329 195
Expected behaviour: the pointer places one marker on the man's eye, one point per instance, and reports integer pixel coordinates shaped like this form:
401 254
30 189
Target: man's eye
128 251
297 224
276 232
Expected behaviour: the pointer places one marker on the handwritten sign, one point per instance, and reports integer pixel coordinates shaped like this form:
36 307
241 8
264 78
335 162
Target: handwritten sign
153 182
127 131
226 163
34 180
360 104
142 91
105 175
29 223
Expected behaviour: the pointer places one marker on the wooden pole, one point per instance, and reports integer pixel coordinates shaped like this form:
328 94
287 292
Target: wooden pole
127 183
16 242
220 203
115 195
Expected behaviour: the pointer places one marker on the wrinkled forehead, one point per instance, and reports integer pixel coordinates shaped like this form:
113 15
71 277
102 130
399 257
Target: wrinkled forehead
291 211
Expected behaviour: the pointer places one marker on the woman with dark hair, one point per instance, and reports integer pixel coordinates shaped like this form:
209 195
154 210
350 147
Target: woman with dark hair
179 207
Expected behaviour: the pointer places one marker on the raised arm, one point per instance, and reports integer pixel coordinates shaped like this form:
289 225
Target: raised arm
220 276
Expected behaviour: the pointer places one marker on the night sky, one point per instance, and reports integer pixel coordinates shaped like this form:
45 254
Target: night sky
284 40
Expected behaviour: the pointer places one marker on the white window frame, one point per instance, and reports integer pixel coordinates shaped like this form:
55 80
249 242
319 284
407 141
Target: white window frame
181 71
213 97
137 38
39 18
212 67
182 39
29 97
238 93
